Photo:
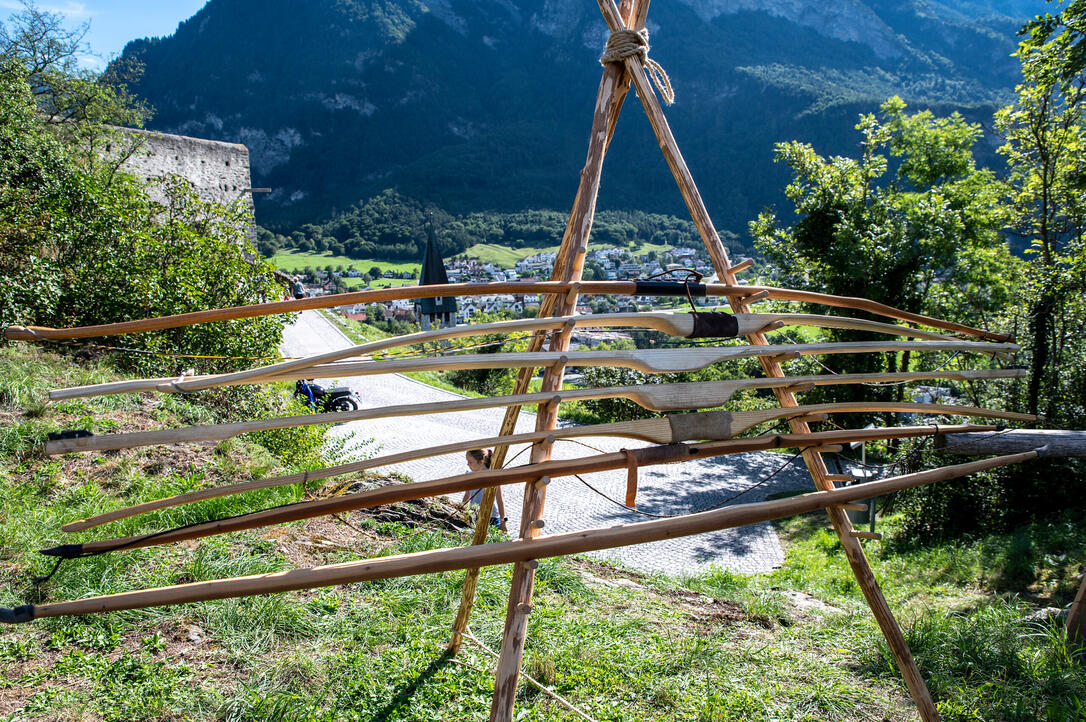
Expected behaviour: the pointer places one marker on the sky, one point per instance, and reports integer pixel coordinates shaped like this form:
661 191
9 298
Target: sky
114 22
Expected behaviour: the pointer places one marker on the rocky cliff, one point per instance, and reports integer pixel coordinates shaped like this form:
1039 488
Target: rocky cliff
485 104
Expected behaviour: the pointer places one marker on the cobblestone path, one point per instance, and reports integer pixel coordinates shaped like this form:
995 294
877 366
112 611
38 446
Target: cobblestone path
672 489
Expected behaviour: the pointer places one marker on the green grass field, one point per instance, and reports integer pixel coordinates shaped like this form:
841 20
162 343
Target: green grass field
507 257
292 261
502 256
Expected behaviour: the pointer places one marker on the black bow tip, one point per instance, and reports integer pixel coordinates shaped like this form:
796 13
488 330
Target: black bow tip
64 551
17 615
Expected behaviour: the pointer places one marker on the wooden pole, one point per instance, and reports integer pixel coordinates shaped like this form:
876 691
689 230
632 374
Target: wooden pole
1060 442
613 84
1076 618
568 265
853 550
519 551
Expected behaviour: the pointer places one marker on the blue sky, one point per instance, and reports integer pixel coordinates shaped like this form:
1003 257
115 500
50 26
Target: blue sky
114 22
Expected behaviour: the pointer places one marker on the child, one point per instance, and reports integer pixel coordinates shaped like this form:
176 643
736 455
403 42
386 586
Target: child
479 460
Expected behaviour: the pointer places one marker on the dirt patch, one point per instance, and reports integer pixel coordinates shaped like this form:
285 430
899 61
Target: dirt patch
318 540
430 512
606 572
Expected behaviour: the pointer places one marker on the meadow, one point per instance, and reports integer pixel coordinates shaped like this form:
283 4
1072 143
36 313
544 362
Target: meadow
796 643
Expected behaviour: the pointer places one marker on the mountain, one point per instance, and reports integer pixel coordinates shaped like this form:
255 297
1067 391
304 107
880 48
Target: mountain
486 104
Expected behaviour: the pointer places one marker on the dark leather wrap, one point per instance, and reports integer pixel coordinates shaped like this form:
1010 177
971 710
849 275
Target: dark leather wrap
17 615
714 324
667 288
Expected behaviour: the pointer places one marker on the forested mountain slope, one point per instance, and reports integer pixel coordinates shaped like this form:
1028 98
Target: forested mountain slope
485 104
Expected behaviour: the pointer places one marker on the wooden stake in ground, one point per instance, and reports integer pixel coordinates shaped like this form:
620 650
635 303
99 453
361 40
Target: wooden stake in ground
853 551
1076 618
608 104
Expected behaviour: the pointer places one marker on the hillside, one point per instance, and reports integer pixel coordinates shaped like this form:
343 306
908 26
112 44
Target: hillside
620 645
485 104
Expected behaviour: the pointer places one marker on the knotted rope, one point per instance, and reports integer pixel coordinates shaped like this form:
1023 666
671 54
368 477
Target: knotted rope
625 44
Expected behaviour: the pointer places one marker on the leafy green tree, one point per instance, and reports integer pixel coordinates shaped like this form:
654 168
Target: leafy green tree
135 258
926 240
48 54
1045 148
489 382
84 245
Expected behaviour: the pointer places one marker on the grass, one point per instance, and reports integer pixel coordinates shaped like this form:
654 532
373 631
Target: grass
710 647
506 257
292 261
501 256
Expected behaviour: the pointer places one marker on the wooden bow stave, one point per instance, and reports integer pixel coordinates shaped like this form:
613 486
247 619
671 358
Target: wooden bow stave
656 397
505 552
479 289
675 324
650 456
644 360
671 429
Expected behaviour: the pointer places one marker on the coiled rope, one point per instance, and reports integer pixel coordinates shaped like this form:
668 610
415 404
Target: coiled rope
624 44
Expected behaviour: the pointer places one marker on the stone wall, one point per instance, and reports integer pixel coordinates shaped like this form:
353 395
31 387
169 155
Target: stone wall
218 171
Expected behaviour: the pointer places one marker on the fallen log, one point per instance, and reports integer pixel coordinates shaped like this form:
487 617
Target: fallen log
1060 442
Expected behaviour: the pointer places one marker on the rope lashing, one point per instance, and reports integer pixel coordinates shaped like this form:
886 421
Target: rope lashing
624 44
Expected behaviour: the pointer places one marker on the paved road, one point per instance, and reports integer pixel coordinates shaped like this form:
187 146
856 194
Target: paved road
672 489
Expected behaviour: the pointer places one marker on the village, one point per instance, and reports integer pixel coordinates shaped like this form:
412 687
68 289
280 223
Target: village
606 264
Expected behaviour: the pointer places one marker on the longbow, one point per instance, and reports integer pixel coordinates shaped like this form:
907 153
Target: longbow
666 430
628 288
449 559
656 397
651 361
686 325
443 560
648 456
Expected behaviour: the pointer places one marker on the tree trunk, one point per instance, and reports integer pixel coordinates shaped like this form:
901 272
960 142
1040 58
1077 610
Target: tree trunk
1041 330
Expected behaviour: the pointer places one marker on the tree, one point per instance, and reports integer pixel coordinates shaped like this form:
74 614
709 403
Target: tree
1045 148
82 245
927 241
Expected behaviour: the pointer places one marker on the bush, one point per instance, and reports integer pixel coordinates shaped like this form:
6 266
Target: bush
83 246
